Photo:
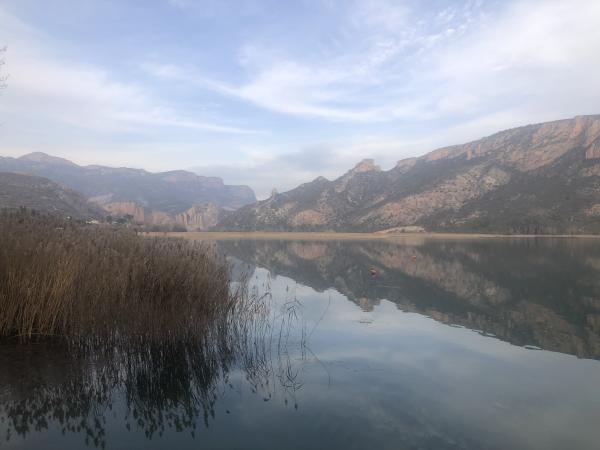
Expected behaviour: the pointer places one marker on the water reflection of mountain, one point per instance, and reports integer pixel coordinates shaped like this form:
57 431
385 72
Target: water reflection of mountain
538 292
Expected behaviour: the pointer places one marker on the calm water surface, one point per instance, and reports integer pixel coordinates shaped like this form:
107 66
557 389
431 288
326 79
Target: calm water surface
413 344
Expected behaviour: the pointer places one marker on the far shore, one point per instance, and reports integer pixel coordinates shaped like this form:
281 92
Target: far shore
326 236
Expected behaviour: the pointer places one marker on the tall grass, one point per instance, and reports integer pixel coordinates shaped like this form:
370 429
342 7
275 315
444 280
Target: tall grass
153 324
59 278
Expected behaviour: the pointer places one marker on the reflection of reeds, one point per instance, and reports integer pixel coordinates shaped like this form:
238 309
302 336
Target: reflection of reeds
153 326
149 383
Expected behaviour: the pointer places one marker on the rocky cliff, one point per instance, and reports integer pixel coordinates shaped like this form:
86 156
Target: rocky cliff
200 217
542 178
197 218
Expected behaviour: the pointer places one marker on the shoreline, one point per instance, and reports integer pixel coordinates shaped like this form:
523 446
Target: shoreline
342 236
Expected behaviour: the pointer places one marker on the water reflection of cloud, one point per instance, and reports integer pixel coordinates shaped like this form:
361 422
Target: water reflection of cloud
448 371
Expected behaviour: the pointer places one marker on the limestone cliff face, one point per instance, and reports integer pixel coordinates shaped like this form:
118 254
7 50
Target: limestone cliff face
140 214
200 217
542 178
533 146
451 194
197 218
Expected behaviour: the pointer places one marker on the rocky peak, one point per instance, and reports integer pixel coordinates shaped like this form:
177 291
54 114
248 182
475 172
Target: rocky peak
366 165
405 164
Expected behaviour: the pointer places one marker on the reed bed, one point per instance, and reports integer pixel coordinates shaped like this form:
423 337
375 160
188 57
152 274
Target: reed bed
156 325
59 278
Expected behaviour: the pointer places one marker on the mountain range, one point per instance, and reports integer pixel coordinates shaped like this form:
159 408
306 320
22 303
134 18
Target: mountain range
176 198
542 178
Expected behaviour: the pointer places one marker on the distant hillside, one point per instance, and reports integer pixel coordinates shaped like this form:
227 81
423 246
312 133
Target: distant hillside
542 178
171 192
45 196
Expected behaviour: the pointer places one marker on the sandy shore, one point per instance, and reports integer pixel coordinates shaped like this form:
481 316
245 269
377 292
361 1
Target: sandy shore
328 236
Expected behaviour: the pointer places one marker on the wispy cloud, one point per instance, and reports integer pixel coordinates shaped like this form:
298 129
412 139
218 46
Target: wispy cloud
363 81
303 89
289 87
460 60
50 89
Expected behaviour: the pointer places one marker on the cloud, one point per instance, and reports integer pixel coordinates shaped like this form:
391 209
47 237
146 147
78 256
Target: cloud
534 54
388 15
303 90
48 89
289 87
360 79
285 87
454 62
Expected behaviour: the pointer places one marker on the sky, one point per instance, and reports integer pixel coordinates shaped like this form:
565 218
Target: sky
275 93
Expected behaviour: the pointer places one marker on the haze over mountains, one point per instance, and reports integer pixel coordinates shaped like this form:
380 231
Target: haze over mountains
542 178
167 198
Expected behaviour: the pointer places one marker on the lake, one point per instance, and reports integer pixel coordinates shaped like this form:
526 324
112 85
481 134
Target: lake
386 344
